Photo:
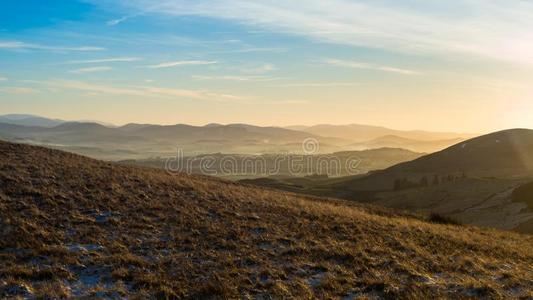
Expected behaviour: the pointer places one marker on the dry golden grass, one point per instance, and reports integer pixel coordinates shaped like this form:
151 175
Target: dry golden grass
75 227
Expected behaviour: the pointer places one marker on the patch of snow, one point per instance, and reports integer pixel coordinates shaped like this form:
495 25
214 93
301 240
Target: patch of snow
85 248
265 246
353 295
87 279
317 279
259 230
13 290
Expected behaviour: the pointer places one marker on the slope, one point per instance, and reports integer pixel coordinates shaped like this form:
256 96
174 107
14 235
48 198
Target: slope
502 154
73 226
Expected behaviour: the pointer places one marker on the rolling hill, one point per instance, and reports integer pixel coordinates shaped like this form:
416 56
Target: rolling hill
392 141
362 133
145 140
236 166
472 181
71 226
142 141
504 154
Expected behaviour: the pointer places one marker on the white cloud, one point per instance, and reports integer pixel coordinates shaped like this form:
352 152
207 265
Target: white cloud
144 91
90 70
2 78
367 66
487 28
104 60
18 45
182 63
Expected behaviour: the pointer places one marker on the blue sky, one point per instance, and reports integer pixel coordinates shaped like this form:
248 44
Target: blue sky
463 65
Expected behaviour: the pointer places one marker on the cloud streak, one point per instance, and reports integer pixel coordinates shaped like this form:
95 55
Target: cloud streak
492 29
104 60
115 22
319 84
182 63
91 70
15 90
144 91
234 78
18 45
367 66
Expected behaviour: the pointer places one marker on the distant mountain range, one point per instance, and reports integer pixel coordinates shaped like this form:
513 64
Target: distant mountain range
29 120
33 120
143 140
133 141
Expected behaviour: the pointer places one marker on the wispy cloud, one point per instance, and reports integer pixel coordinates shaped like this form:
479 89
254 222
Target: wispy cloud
91 70
144 91
2 78
319 84
487 28
104 60
18 45
182 63
115 22
289 101
15 90
234 78
253 49
261 69
367 66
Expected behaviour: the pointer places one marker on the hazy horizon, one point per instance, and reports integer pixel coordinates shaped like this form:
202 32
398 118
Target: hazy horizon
464 66
289 126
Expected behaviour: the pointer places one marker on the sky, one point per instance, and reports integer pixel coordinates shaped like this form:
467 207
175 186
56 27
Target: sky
457 65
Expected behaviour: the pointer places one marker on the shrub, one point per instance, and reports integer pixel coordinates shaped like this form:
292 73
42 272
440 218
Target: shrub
440 219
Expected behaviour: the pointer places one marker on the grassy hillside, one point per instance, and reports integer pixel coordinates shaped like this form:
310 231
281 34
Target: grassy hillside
72 226
472 181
